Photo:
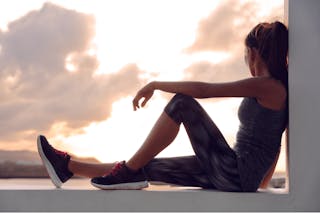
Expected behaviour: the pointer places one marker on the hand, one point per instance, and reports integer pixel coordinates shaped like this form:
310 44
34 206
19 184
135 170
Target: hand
146 92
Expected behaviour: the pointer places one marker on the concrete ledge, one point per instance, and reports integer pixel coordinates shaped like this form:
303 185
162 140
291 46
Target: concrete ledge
123 200
34 195
78 195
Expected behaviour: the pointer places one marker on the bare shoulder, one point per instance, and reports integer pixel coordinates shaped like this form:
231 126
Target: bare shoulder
275 94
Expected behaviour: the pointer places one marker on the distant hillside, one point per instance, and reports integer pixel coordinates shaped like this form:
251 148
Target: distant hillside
26 164
21 155
32 157
11 169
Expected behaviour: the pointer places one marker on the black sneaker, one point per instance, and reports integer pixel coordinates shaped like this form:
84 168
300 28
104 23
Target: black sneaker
55 161
121 177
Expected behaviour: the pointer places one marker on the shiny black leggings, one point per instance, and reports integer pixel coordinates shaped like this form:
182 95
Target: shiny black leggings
214 165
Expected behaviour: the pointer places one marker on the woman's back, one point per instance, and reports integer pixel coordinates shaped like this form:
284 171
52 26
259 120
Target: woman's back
258 140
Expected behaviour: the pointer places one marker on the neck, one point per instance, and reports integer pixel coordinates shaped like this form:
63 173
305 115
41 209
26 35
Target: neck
261 70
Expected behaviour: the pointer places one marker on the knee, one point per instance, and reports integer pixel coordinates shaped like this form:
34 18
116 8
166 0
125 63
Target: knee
178 105
181 98
179 101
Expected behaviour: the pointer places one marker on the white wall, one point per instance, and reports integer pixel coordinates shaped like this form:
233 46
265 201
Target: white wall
304 62
304 137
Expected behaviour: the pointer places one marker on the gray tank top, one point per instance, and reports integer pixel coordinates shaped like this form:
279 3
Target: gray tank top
258 141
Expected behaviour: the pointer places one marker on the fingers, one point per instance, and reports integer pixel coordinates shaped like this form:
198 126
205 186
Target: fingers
135 104
144 102
136 100
145 93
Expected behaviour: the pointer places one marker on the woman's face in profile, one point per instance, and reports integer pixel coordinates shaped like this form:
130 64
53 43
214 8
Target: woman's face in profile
247 59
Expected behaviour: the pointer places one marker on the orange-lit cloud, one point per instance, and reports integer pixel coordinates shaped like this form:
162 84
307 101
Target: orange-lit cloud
230 69
37 91
225 28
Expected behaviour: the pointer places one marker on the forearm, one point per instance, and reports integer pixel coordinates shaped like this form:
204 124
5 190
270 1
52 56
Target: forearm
191 88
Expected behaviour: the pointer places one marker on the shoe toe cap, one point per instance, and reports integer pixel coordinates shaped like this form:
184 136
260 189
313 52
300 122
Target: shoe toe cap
97 180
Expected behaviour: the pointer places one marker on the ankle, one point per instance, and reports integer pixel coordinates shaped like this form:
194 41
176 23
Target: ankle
132 167
71 166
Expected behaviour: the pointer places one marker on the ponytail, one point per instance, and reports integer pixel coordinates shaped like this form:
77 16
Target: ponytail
271 41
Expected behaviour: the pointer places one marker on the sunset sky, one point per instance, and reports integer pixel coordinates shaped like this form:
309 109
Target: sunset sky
69 69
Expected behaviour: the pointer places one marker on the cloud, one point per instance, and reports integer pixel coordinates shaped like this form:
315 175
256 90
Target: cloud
37 92
230 69
227 26
225 30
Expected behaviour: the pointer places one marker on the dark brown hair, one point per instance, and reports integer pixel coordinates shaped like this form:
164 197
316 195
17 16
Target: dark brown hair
271 41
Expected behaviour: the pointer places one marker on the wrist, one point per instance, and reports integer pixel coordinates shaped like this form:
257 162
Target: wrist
154 85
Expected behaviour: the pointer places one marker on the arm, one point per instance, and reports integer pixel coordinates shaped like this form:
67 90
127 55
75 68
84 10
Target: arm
251 87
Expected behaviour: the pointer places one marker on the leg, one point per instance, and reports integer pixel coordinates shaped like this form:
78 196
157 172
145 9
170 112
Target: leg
217 160
130 175
162 134
214 154
184 171
89 170
61 167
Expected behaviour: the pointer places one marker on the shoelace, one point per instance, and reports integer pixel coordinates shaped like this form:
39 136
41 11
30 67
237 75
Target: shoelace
58 152
116 168
63 154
